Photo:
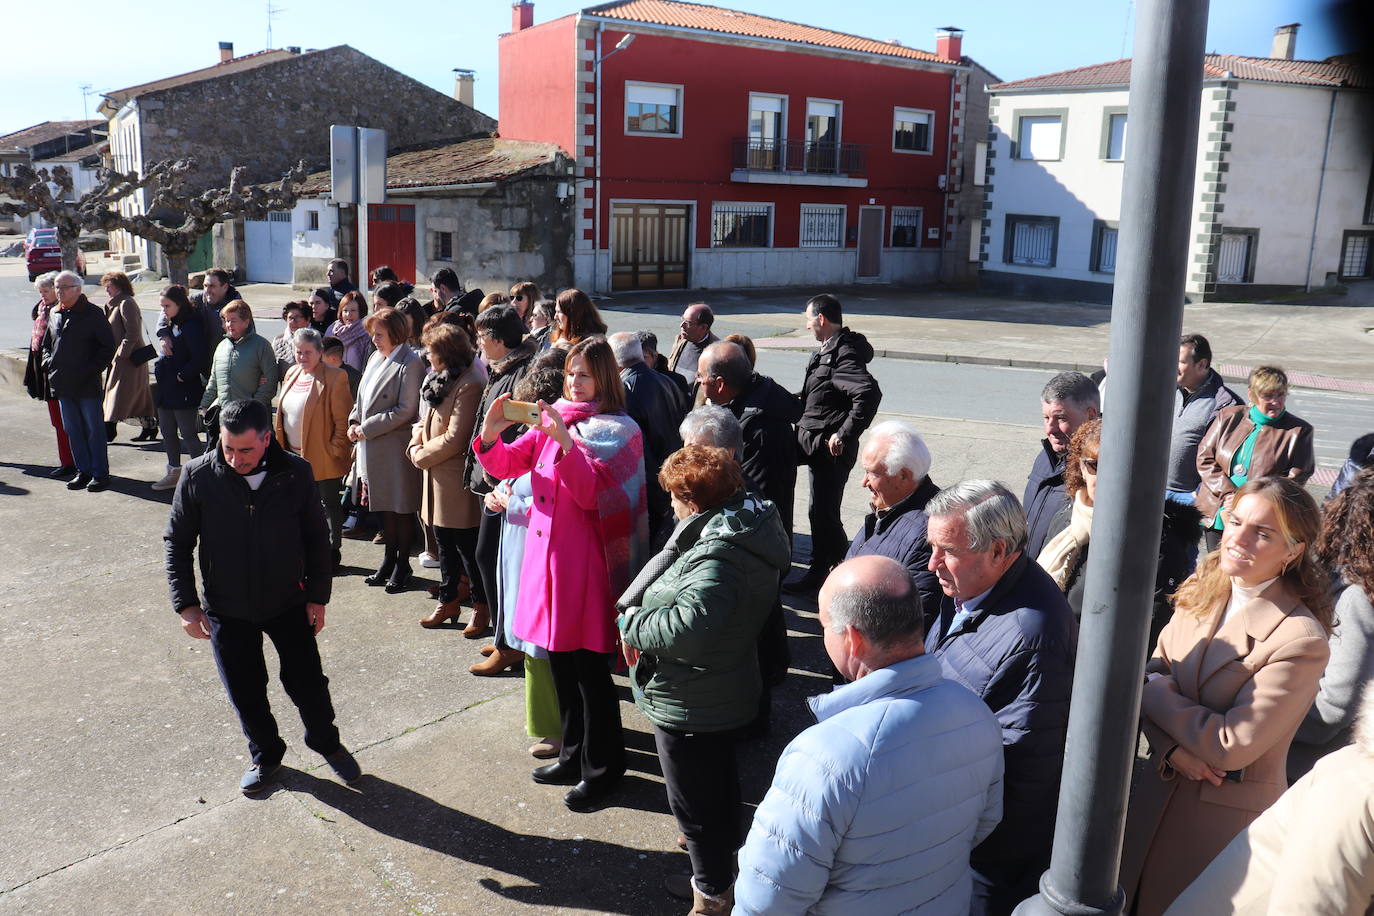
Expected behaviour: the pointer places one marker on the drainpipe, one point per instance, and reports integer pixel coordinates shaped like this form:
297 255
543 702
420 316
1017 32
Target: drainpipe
596 165
1321 182
945 236
1147 318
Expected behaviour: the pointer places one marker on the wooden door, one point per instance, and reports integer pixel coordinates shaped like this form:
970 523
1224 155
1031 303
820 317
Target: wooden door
870 243
650 246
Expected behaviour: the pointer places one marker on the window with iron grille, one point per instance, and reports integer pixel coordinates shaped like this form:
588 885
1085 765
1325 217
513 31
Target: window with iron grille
906 227
1236 256
822 226
1031 240
312 219
911 130
443 246
1355 256
736 225
1103 257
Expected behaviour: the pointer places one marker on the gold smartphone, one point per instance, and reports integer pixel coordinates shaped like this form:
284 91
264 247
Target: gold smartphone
521 412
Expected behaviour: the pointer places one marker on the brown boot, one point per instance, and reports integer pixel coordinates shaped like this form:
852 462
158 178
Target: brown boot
497 662
480 623
448 610
488 649
703 905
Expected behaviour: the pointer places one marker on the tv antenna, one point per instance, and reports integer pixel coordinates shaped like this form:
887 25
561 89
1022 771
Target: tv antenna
273 12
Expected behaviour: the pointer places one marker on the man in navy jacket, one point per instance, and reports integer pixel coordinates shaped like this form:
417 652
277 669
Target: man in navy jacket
1005 631
266 568
1068 400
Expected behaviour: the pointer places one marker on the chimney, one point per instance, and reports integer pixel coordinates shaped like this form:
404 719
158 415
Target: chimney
462 85
949 43
226 51
521 15
1285 41
293 49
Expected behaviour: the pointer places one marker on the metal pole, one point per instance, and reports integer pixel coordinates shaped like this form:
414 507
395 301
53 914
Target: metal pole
1147 318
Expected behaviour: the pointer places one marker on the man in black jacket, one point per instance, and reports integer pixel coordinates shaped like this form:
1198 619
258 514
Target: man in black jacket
841 398
1068 400
82 347
766 412
266 568
217 292
652 402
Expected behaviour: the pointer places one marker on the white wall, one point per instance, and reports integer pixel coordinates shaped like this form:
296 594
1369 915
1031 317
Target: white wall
726 268
314 243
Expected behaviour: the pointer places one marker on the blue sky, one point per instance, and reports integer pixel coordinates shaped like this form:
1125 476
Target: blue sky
426 39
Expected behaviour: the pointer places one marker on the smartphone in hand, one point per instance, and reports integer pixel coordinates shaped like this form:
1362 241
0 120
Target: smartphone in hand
521 412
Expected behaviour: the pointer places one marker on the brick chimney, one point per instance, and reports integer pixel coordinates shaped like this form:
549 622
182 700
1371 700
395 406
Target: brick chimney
226 51
949 43
1285 41
521 15
462 85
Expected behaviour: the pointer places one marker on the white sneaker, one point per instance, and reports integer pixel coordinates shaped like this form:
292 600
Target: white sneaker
169 480
429 561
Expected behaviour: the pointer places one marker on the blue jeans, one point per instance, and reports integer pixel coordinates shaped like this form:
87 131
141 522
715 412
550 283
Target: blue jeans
84 421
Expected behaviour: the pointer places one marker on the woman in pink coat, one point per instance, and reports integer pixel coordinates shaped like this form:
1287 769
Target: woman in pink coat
588 534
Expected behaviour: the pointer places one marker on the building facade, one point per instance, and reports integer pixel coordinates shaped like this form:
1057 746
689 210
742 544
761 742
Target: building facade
74 145
1283 195
719 149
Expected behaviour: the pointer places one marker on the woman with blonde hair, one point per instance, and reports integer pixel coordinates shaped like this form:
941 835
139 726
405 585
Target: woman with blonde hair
1232 676
127 391
1245 442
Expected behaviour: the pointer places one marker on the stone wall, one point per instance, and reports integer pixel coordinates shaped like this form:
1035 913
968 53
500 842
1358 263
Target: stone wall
269 117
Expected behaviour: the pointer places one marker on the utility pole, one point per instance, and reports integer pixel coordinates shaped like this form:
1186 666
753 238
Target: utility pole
1147 320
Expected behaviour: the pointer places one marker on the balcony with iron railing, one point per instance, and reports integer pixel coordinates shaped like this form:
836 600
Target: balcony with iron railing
782 161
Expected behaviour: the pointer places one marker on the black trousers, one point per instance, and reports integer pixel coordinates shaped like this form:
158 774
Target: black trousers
829 473
237 645
590 713
999 887
485 581
331 494
702 777
457 555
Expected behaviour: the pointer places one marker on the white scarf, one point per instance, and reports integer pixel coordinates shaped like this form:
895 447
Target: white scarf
1060 555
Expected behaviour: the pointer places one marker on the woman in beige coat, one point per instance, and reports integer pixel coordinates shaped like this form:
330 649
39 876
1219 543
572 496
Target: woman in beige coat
388 403
1233 674
438 447
127 392
312 421
1309 854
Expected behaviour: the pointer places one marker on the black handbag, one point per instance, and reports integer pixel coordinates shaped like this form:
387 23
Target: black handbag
143 355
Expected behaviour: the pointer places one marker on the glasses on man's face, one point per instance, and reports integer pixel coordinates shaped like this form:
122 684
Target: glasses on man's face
67 286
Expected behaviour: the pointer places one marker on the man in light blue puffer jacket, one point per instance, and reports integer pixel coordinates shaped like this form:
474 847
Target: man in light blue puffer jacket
875 809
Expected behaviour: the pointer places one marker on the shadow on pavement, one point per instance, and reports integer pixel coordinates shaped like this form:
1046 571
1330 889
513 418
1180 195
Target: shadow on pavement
402 813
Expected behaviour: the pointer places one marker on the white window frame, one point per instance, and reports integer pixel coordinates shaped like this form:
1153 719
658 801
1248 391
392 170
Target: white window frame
768 206
844 216
779 97
435 249
897 112
1108 117
677 88
920 227
839 119
312 220
1009 241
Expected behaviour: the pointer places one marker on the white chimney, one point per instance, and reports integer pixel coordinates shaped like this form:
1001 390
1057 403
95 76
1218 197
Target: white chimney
462 85
1285 42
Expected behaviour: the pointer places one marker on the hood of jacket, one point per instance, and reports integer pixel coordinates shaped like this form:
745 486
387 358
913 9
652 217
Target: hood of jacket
742 524
855 341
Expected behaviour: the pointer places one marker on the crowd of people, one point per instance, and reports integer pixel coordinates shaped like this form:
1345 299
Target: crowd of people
601 507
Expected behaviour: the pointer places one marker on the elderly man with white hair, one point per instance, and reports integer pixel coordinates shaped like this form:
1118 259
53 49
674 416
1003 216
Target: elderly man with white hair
83 346
652 402
896 466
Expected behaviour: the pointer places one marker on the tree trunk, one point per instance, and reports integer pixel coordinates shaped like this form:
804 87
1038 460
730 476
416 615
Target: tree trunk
69 250
176 267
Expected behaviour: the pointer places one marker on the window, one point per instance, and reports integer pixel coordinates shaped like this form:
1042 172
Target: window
1355 260
1039 135
906 227
822 136
653 108
766 120
1236 256
1103 257
442 249
1114 135
822 226
735 225
1031 240
911 130
312 220
1369 200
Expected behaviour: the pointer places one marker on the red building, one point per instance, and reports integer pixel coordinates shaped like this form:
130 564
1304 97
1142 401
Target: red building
719 149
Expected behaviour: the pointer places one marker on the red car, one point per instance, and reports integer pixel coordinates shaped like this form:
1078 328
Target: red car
42 253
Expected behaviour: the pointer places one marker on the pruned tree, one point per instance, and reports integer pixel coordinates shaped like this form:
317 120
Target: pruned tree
31 190
198 212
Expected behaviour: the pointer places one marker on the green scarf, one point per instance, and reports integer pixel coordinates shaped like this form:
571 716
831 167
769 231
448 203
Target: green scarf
1240 463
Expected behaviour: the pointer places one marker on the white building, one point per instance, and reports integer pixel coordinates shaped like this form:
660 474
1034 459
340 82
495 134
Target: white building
1283 199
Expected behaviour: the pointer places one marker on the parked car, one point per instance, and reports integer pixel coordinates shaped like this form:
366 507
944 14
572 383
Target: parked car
42 253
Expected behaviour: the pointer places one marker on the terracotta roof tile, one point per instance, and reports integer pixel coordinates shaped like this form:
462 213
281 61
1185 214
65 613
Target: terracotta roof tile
1345 71
466 162
48 130
733 22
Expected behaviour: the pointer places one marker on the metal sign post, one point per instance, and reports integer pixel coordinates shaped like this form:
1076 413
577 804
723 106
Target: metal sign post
357 158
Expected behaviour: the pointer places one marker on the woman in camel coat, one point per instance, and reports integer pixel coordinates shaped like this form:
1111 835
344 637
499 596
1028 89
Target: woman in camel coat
1233 674
438 447
127 392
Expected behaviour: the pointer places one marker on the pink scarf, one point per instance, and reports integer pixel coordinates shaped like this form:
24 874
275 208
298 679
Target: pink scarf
40 324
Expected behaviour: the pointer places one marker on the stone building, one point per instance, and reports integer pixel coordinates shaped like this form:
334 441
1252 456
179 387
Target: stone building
74 144
494 210
268 110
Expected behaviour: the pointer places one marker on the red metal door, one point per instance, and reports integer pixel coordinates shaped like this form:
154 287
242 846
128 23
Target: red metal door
391 238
